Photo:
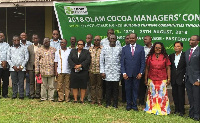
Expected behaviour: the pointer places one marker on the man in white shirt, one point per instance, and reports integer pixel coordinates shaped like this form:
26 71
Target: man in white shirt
110 70
62 71
17 58
4 68
88 39
142 87
55 42
105 41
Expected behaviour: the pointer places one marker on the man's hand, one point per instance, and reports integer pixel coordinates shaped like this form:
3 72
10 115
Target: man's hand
20 69
37 74
15 68
197 83
56 74
103 75
4 64
139 76
125 76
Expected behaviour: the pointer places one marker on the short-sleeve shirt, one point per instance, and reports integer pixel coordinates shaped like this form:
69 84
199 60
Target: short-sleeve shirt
157 67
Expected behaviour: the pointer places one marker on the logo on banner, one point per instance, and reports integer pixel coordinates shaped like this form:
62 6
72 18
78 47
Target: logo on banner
76 10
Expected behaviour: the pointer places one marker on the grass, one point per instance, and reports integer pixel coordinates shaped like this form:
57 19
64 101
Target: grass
28 110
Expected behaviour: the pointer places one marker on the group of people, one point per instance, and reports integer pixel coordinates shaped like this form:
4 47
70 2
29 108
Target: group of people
96 70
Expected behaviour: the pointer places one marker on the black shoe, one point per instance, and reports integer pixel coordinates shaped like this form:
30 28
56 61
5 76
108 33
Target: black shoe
14 97
176 112
196 119
37 97
21 98
107 105
75 102
32 98
181 114
28 96
6 96
115 106
128 109
135 109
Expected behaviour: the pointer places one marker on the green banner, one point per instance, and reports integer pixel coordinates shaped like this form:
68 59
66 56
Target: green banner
166 21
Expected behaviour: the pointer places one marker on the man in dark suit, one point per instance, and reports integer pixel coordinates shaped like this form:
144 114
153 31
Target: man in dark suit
192 84
178 67
31 67
132 68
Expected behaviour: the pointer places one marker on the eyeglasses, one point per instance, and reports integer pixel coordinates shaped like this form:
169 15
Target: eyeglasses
96 39
158 48
55 34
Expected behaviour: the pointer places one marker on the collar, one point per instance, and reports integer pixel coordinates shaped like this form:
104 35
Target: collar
23 43
58 41
194 48
97 47
178 54
89 46
133 45
148 47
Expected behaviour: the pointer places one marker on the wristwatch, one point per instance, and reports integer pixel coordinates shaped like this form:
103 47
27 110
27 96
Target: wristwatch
21 67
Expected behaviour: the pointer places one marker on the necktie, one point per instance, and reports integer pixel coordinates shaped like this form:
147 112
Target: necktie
132 50
190 54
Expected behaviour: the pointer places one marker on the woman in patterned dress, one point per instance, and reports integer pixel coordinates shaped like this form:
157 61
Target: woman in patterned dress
157 77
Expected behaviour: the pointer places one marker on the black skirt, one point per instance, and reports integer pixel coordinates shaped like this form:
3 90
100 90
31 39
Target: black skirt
79 79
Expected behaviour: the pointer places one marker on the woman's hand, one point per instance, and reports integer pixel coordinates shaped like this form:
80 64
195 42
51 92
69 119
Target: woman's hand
146 83
168 82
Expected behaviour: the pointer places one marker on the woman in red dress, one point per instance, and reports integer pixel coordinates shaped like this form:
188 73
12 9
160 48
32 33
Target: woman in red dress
157 77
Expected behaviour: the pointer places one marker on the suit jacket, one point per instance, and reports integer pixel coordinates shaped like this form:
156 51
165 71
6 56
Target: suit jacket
192 66
177 74
31 61
84 59
132 65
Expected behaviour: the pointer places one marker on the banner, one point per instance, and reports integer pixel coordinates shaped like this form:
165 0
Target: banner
166 21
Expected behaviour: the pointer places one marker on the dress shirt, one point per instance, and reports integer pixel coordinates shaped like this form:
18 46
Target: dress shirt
177 58
87 47
95 59
3 52
133 47
106 42
55 44
44 61
71 47
35 48
194 48
17 57
65 65
147 50
28 43
110 62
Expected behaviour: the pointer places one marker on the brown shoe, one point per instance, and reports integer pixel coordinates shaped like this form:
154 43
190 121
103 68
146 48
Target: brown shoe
93 102
99 104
